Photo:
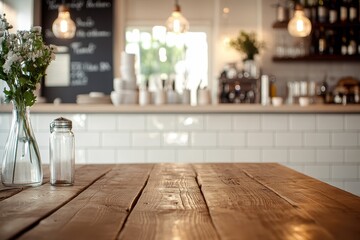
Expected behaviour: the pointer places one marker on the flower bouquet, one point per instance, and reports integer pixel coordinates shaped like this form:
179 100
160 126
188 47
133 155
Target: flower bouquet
24 58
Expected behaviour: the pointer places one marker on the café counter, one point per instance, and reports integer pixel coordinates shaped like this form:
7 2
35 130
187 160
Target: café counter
322 141
178 108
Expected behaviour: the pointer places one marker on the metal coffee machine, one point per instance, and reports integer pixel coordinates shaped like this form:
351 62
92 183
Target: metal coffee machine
238 87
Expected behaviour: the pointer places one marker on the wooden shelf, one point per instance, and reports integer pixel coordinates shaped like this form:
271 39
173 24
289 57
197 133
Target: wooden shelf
283 25
280 25
324 58
336 25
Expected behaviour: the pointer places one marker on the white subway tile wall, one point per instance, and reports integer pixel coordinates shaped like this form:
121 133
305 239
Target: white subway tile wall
274 155
161 156
302 155
324 146
130 155
352 122
260 139
317 139
274 122
190 155
302 122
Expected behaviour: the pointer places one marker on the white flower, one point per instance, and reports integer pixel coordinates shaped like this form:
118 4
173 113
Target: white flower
53 56
2 25
54 48
9 61
36 29
25 56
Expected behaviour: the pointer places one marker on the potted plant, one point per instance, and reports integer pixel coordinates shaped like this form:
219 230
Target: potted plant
246 43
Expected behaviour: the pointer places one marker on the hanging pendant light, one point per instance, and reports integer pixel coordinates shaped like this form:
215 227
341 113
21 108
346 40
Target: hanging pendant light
177 23
64 26
299 25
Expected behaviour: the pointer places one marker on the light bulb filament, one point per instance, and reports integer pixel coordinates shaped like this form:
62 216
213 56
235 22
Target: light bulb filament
300 25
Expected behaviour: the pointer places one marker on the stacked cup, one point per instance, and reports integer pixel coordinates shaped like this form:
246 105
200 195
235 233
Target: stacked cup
125 88
127 70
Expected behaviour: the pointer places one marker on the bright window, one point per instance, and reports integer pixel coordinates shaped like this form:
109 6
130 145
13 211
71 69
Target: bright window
163 58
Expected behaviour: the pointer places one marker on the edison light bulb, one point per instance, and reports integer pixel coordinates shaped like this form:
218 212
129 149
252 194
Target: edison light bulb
63 26
177 23
299 25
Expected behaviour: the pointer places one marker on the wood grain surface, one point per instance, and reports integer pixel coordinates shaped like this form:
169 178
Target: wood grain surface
181 201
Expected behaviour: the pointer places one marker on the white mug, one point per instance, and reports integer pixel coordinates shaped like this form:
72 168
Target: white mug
204 97
144 97
172 97
186 97
159 97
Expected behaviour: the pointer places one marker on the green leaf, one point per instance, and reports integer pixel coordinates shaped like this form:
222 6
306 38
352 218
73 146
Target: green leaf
29 98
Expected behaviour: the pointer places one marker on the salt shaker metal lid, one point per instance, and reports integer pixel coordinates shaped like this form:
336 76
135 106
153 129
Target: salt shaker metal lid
60 123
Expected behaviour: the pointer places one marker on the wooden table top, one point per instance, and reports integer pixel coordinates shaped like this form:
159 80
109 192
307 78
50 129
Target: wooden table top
181 201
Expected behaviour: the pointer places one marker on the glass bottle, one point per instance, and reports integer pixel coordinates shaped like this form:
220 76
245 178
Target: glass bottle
322 11
224 95
322 42
358 48
281 13
344 44
331 43
352 44
353 11
324 89
306 7
62 153
313 10
344 11
333 11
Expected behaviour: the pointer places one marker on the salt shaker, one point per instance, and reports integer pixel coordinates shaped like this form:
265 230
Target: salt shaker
62 153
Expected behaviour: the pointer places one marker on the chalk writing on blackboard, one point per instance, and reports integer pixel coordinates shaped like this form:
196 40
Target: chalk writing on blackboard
90 51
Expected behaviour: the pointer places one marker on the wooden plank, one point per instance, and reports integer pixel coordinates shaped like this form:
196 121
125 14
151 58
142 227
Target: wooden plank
98 212
331 208
242 208
296 179
170 207
27 208
6 192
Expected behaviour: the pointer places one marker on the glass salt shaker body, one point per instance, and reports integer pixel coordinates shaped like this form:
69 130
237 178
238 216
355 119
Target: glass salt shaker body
62 153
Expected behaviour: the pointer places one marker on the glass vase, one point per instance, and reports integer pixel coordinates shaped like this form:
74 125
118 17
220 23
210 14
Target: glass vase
251 67
21 163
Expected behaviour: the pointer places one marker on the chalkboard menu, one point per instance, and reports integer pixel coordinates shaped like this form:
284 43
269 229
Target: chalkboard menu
84 63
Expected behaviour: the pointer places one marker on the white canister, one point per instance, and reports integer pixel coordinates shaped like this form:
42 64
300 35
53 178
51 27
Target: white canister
144 97
172 97
265 90
186 97
159 97
204 97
